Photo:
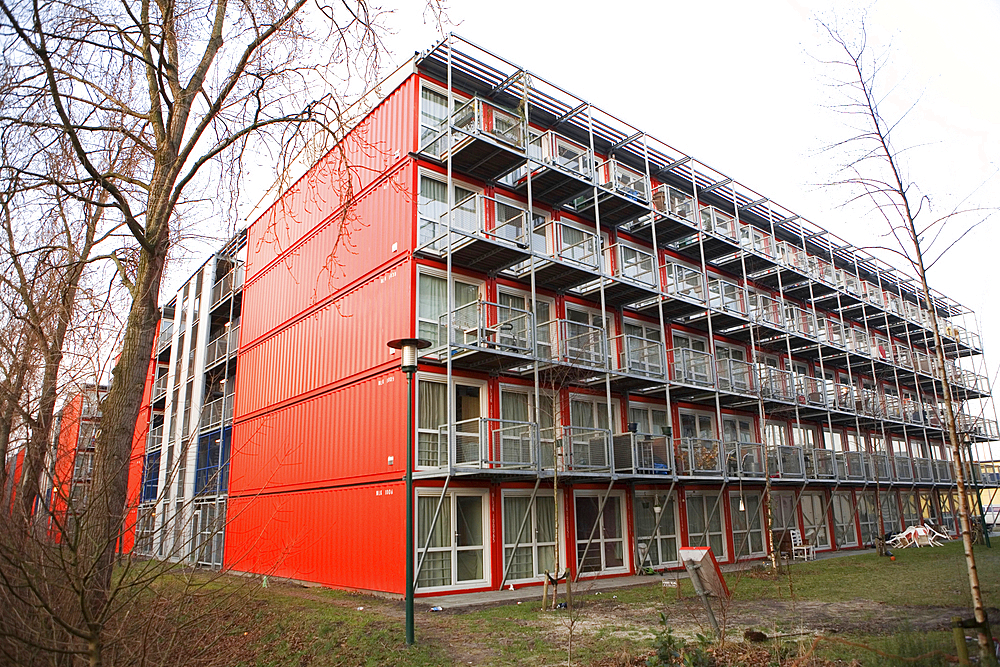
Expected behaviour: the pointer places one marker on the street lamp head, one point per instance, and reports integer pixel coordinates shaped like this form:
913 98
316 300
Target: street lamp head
409 346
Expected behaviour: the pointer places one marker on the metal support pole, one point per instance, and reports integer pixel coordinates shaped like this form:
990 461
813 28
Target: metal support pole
409 508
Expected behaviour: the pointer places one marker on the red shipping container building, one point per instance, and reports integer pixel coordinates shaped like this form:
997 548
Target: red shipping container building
630 353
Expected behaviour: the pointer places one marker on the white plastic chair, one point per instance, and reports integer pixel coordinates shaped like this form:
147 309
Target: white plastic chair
801 549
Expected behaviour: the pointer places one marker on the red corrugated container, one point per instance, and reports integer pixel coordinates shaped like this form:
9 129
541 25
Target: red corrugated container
339 340
349 537
139 454
66 447
386 136
313 270
344 434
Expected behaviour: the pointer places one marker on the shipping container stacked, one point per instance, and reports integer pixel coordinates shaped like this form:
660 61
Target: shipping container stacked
662 345
184 430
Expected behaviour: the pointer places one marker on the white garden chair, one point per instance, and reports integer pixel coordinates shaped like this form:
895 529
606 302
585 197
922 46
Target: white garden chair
801 549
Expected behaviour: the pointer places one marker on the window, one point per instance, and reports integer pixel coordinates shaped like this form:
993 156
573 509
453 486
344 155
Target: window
451 546
911 511
432 304
867 518
704 516
432 420
814 520
845 532
783 511
833 440
432 205
656 530
649 419
517 404
603 530
737 429
775 434
748 534
533 552
890 511
692 363
150 477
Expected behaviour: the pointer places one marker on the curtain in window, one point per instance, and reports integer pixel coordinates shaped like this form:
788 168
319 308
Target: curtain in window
514 508
432 412
436 570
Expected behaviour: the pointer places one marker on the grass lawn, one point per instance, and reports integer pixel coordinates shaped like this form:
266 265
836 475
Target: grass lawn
875 597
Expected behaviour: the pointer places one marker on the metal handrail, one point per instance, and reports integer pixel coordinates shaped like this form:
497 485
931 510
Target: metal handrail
640 356
692 366
698 456
679 280
745 459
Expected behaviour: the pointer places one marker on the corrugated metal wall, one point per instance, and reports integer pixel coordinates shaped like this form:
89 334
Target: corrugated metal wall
346 434
350 537
385 137
343 338
318 267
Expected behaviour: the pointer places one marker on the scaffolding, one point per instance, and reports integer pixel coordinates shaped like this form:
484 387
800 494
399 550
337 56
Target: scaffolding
615 267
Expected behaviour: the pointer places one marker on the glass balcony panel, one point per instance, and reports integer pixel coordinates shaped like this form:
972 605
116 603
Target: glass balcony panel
698 456
943 470
736 375
578 246
634 264
878 467
642 454
854 465
586 449
785 461
744 459
775 383
764 310
680 280
624 180
674 202
641 356
820 464
923 470
583 344
727 297
489 325
693 366
903 468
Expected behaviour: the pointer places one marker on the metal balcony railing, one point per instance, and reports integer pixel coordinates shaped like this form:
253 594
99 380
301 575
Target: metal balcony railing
624 180
640 356
584 449
793 257
736 376
727 297
225 286
842 396
165 336
679 280
775 383
643 454
217 412
902 356
821 270
160 388
872 403
551 148
572 244
810 390
943 471
476 217
719 223
692 366
977 426
923 470
850 465
634 265
698 457
757 241
483 443
488 325
744 459
222 345
576 343
785 462
765 310
877 468
820 464
477 118
902 467
849 283
674 202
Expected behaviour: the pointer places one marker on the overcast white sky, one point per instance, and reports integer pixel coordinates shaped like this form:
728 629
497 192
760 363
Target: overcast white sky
740 86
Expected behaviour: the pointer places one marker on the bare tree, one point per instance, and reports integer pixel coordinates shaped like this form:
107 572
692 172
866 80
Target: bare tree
875 173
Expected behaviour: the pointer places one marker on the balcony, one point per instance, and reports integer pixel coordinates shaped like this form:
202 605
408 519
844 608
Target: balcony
486 234
728 303
977 427
562 169
736 376
642 454
672 217
569 256
224 345
820 464
785 462
744 459
488 336
943 472
877 468
810 390
227 285
765 312
776 384
923 470
484 444
640 356
582 449
850 465
573 343
160 388
215 414
166 335
634 277
902 468
623 195
692 367
685 287
487 141
721 237
842 397
699 457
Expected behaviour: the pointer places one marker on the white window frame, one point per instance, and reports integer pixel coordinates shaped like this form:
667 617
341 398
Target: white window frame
451 497
599 541
449 396
662 500
740 536
530 529
710 499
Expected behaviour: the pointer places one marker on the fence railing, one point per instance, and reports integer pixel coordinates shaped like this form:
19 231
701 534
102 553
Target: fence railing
786 462
640 356
642 454
745 459
489 325
679 280
699 456
692 366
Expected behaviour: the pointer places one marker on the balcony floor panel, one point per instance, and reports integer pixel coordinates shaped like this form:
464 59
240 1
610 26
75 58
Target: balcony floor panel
483 159
553 186
558 276
614 209
619 293
481 254
669 229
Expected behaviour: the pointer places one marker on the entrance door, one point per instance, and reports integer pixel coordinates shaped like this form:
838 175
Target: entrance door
454 542
606 552
704 515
